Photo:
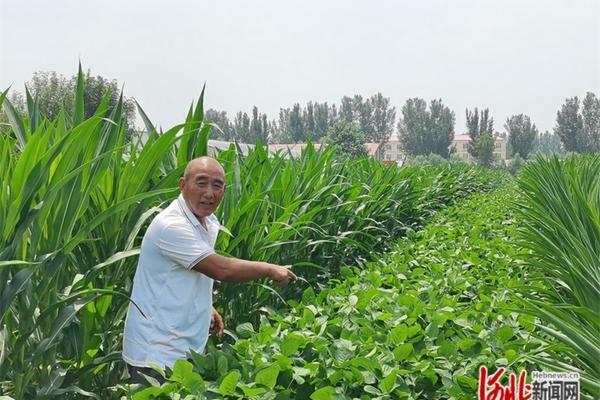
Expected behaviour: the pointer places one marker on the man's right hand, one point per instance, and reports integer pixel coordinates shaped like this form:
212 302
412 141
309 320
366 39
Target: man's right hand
281 275
227 269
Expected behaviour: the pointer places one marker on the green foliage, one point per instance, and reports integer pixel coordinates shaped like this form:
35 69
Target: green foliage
424 131
323 117
347 139
75 199
547 143
296 124
477 125
383 119
578 130
223 129
591 122
560 207
515 165
374 116
298 214
244 129
569 125
259 128
54 93
299 124
484 148
521 134
416 324
431 159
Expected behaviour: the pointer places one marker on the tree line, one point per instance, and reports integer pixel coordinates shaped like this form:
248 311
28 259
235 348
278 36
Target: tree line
374 117
56 94
423 128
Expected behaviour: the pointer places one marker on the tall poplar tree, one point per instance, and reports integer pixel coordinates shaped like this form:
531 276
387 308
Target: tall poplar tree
296 125
309 120
323 120
56 92
258 128
347 110
441 127
547 143
347 138
424 131
579 130
569 125
282 134
477 124
384 119
484 146
226 130
241 125
521 134
591 122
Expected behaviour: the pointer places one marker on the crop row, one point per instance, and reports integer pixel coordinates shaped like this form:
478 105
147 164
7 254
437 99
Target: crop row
509 279
560 210
76 196
416 324
319 213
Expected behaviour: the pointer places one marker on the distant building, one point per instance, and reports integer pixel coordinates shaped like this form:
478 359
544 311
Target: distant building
216 146
391 151
461 146
388 152
295 149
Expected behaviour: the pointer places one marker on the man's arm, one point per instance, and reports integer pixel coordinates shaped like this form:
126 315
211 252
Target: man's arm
226 269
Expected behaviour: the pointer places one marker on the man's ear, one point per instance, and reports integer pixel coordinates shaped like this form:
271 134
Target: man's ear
181 183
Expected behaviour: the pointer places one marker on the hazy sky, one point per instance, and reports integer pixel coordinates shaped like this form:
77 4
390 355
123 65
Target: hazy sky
510 56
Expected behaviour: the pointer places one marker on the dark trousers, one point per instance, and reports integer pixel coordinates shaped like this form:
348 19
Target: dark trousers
134 373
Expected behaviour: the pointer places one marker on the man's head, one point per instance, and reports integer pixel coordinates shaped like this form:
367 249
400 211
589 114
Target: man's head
203 185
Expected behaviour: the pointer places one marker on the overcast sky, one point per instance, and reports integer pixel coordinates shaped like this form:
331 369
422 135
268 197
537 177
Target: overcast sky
510 56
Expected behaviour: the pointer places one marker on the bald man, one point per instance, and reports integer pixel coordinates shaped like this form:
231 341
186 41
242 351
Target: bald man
173 282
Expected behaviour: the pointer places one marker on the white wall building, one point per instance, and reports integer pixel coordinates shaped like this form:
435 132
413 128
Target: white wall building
389 152
461 146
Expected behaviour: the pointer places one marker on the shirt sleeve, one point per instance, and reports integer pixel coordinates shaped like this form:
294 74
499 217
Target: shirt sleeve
183 245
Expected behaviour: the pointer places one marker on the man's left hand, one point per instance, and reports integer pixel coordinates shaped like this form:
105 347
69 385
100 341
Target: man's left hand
216 323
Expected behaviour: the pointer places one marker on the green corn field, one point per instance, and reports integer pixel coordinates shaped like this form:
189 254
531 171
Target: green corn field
412 277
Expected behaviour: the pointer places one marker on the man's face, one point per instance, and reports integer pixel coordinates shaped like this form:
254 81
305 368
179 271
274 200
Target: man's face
204 186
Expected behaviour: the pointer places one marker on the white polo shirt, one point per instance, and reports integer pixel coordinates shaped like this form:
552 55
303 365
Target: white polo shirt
176 300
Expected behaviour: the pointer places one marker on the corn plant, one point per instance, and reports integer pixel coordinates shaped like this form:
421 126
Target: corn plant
560 207
76 196
318 213
74 199
314 212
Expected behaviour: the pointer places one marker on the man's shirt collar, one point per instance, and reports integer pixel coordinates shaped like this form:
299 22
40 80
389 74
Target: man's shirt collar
186 210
